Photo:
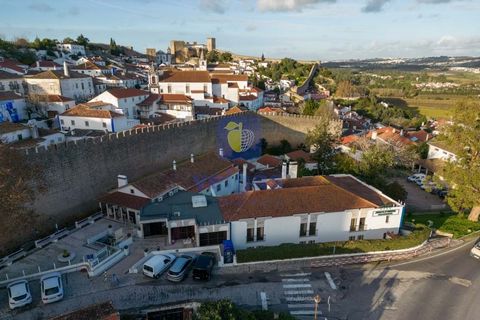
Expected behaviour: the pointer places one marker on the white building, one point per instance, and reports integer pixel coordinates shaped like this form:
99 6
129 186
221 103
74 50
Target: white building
440 150
65 83
91 69
13 132
179 106
11 82
51 105
71 48
45 65
125 99
119 80
310 210
98 116
12 107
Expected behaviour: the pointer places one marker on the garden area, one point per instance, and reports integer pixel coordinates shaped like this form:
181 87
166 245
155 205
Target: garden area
449 222
292 251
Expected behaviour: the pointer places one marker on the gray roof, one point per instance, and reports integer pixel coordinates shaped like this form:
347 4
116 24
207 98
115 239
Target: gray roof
182 202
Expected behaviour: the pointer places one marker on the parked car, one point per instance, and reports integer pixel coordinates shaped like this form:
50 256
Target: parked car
179 269
416 176
202 269
158 264
51 287
19 294
475 251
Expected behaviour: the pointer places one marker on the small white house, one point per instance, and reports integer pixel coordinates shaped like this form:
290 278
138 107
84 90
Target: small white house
125 99
13 132
97 116
71 48
12 107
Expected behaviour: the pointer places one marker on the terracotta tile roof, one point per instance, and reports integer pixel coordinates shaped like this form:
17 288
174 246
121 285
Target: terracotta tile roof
308 181
88 66
239 163
9 95
120 93
225 78
220 100
236 109
249 97
11 64
91 110
152 98
419 136
178 98
46 64
349 139
53 98
315 195
300 154
270 161
185 76
215 179
8 75
7 127
125 200
188 176
58 74
271 110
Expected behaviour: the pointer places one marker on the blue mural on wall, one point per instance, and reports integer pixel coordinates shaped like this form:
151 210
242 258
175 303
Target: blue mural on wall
239 137
8 112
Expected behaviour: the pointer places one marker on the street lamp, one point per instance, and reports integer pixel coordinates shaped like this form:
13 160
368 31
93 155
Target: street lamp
317 300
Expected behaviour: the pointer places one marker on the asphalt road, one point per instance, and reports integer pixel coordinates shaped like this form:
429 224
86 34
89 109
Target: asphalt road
444 285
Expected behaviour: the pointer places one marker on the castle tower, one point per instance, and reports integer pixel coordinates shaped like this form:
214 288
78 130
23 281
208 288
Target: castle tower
211 44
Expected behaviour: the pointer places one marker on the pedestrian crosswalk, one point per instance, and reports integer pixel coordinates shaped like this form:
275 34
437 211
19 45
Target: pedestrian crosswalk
299 294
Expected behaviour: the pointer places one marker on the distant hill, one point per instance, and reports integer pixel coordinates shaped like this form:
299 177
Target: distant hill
407 64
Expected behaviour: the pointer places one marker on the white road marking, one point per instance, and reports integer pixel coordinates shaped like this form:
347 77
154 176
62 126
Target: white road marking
296 280
301 305
263 297
302 274
298 292
460 281
293 299
295 286
330 281
304 312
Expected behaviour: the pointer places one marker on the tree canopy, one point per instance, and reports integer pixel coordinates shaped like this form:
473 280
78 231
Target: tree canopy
463 176
323 140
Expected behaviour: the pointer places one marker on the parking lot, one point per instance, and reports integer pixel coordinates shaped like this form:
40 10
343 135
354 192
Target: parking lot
418 199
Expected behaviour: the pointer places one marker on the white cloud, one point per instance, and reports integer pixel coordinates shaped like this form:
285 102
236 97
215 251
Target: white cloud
288 5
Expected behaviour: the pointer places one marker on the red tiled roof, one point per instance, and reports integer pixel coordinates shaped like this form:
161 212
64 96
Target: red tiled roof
58 74
421 135
270 161
7 127
9 95
150 100
300 154
349 139
314 194
120 93
125 200
249 97
46 64
185 76
179 98
53 98
240 161
90 110
236 109
8 75
219 100
270 110
225 78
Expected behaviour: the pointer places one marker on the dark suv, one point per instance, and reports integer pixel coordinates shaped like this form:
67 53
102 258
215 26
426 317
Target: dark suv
202 269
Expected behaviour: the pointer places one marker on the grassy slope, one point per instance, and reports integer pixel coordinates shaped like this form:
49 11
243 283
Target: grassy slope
447 222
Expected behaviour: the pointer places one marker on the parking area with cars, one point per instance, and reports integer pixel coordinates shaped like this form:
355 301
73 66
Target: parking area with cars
421 199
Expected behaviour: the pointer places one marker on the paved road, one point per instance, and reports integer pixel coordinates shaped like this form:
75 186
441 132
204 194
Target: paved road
434 287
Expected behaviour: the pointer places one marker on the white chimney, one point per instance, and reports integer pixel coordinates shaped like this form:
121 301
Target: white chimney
401 132
174 165
293 169
284 170
122 180
374 135
66 72
38 64
220 152
192 159
244 178
394 130
427 137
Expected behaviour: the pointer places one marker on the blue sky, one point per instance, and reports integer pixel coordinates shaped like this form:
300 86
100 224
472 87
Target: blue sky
302 29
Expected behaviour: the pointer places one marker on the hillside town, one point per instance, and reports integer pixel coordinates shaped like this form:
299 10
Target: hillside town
190 182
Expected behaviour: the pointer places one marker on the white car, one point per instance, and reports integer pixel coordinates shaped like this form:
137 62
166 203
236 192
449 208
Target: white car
51 287
157 265
19 294
475 252
416 176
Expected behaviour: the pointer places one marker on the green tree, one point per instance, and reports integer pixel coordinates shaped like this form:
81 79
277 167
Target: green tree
322 140
463 176
375 161
225 57
346 89
310 107
68 40
83 41
212 56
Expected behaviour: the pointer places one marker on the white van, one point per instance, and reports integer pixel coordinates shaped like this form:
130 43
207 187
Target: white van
158 264
475 252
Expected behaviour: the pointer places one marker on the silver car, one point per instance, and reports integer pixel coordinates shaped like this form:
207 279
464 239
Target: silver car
180 268
19 294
